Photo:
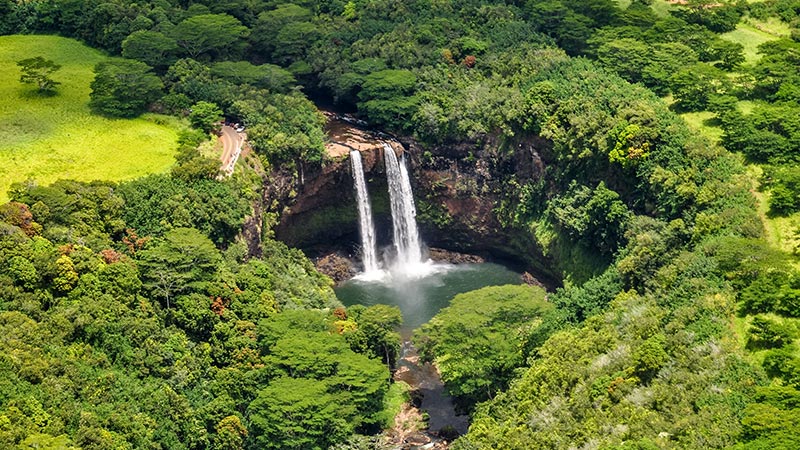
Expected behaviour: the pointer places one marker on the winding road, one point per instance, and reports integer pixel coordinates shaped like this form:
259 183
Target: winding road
232 144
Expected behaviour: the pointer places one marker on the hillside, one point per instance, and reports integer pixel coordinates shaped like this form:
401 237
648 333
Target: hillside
47 138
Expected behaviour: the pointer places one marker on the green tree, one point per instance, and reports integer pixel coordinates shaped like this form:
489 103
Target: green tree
693 86
298 414
270 23
387 97
206 116
123 88
375 331
181 262
481 338
265 76
38 71
150 47
210 35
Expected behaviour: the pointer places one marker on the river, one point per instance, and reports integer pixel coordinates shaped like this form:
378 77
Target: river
419 299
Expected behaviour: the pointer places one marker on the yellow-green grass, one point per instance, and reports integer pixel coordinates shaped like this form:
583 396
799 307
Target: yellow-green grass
662 7
393 402
745 106
781 232
773 25
750 37
50 138
703 123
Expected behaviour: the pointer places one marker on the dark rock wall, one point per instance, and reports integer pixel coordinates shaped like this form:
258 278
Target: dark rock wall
457 191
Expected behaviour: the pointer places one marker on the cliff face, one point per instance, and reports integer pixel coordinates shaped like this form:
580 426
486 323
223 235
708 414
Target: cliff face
457 189
318 210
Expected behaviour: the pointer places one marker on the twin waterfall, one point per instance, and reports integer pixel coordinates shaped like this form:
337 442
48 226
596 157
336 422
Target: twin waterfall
365 225
404 222
408 249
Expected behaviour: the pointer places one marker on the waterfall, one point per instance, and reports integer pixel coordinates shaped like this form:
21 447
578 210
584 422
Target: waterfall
365 225
404 223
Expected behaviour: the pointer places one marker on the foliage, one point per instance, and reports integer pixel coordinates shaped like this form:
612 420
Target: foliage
483 337
620 363
282 127
184 258
205 116
150 47
158 203
99 339
58 137
596 217
123 88
375 332
586 169
266 76
210 35
784 185
37 70
298 413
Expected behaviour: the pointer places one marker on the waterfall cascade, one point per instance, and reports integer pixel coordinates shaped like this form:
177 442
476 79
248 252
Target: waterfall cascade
365 224
406 262
404 222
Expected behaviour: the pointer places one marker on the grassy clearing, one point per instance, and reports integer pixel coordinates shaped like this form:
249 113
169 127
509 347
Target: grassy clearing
48 138
781 232
393 401
703 123
661 7
773 26
750 37
745 106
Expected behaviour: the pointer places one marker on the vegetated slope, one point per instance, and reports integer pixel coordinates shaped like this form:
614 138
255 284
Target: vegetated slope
119 339
597 171
47 138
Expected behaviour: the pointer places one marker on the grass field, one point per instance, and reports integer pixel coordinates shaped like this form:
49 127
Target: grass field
48 138
781 232
750 37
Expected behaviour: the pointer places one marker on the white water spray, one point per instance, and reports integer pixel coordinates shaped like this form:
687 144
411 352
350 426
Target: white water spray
365 225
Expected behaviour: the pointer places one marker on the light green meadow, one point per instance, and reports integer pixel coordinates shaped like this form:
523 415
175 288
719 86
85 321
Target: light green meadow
50 138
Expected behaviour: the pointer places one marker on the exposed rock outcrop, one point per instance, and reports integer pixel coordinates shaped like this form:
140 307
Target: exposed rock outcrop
336 265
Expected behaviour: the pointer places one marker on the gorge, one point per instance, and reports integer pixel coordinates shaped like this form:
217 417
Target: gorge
456 206
405 277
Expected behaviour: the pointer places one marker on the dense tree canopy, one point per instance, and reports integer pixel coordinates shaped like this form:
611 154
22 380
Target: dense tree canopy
124 88
132 318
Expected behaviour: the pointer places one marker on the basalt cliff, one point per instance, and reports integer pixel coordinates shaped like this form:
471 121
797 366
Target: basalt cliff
459 191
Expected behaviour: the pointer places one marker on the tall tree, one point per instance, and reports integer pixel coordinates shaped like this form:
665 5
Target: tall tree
210 35
150 47
124 88
185 258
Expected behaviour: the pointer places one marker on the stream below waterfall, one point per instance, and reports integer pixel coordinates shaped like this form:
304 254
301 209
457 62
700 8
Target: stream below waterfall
419 299
406 279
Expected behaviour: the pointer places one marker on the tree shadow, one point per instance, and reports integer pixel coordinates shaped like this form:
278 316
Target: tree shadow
33 94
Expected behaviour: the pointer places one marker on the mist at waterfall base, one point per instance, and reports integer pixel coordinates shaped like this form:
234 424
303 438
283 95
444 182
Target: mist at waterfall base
421 298
406 278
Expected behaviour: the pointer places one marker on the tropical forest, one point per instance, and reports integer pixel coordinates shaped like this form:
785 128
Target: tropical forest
399 224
